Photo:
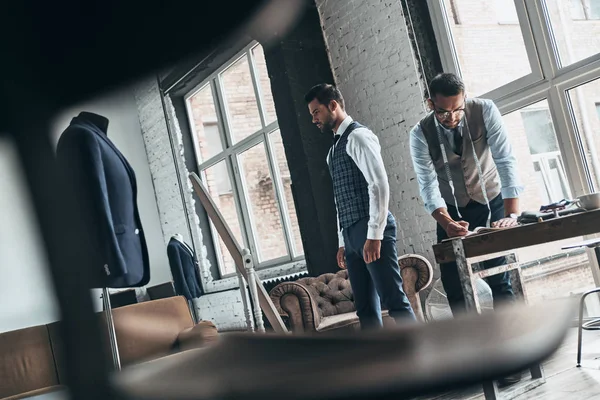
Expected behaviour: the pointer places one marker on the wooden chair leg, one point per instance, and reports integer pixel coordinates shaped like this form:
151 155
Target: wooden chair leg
490 390
537 371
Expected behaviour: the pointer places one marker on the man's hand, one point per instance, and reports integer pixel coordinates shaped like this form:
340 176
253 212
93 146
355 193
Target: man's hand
371 250
504 223
341 259
457 228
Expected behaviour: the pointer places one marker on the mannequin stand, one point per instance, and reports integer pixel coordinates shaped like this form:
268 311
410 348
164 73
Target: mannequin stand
252 282
243 261
112 336
193 311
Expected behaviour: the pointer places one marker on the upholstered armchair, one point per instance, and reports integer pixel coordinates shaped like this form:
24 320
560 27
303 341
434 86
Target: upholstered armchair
326 302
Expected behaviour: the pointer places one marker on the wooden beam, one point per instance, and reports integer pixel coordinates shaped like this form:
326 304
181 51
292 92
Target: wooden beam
574 225
236 252
485 273
466 277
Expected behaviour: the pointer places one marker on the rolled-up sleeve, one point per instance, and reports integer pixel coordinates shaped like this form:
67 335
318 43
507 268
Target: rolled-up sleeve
426 175
502 153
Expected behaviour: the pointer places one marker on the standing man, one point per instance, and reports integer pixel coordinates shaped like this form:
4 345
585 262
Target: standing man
366 229
467 175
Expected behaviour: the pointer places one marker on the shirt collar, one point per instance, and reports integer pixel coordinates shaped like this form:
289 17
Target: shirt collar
345 123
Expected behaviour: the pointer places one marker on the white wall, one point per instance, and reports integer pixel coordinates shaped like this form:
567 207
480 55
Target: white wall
26 292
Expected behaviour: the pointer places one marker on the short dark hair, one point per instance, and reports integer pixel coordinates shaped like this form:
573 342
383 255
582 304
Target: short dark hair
324 93
446 84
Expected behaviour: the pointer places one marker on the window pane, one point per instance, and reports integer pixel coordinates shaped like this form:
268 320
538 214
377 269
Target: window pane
491 52
535 145
576 28
262 204
539 130
594 9
240 100
205 123
548 271
218 182
577 9
584 102
284 173
506 13
265 84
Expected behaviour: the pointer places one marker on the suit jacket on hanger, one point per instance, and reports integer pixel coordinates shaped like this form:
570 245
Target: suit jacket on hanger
107 187
186 277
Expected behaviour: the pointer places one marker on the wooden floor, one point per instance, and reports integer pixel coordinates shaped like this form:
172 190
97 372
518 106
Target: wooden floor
564 381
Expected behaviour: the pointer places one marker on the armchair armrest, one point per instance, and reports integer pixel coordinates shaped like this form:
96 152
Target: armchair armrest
417 274
294 300
199 335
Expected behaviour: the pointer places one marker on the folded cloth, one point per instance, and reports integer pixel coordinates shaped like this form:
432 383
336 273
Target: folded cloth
528 217
559 205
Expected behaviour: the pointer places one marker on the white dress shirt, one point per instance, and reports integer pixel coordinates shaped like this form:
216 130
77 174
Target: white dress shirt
364 149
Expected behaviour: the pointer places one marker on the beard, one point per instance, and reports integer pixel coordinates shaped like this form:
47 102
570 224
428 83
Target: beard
327 125
449 124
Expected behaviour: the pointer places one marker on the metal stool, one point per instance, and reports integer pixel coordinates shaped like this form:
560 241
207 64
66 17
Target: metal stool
594 323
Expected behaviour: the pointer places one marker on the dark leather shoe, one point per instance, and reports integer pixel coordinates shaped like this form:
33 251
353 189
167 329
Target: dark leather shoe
509 380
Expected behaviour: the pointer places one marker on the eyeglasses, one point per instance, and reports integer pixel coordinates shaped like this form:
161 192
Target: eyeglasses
443 114
448 114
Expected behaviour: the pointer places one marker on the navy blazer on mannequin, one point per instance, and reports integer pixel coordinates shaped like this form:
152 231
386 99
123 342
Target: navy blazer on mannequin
186 276
107 186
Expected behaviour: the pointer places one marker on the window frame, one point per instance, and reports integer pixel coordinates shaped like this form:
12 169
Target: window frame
549 80
231 153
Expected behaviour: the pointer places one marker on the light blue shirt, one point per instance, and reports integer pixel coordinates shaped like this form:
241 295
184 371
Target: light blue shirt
500 148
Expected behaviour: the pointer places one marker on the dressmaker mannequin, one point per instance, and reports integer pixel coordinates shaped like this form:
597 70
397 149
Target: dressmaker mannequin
107 199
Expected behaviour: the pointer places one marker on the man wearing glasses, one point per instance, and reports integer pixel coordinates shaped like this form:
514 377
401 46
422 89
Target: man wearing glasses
467 176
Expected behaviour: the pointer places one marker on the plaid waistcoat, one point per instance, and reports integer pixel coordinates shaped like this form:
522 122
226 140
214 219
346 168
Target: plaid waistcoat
350 188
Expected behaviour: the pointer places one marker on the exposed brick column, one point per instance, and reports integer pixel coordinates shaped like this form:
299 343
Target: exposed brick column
296 63
374 66
165 172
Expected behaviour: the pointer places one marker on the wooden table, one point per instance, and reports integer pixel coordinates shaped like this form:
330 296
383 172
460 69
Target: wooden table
464 250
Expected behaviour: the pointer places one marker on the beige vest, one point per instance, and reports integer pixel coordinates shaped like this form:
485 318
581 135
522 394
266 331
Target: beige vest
463 169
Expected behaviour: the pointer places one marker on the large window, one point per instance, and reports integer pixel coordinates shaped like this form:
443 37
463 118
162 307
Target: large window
544 74
241 158
487 40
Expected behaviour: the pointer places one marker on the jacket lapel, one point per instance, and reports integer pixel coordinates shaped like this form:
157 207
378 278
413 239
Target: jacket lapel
106 140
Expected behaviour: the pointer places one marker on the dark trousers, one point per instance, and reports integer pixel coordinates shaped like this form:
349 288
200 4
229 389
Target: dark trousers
377 282
476 215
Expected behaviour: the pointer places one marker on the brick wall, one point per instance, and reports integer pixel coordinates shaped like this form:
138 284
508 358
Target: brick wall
224 309
558 278
170 203
374 67
164 169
